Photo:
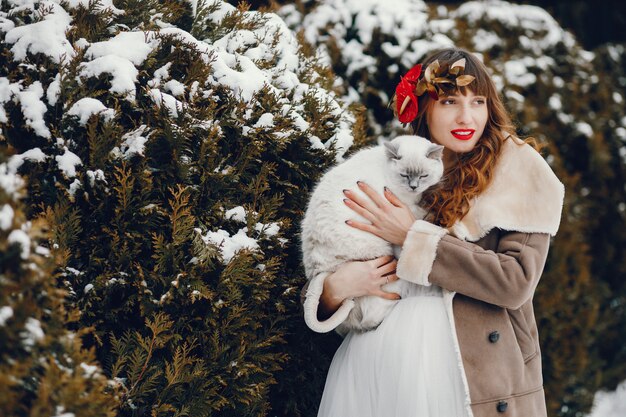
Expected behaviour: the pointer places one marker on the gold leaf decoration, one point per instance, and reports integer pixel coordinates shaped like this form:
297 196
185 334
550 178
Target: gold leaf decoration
432 68
464 80
421 88
443 80
459 64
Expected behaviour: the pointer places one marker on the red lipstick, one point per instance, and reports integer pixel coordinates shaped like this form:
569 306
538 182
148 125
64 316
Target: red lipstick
463 134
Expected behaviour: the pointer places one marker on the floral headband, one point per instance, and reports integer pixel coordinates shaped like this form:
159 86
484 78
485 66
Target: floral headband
437 80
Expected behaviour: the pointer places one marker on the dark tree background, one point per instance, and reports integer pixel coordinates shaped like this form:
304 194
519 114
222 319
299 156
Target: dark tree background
593 23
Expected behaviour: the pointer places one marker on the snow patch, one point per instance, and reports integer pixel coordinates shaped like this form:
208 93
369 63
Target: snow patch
610 404
270 229
585 129
74 186
16 161
168 101
34 109
67 162
33 332
175 87
266 120
44 37
10 182
133 144
20 237
123 72
6 217
6 312
7 91
230 245
237 214
53 91
86 107
131 46
89 370
95 175
102 5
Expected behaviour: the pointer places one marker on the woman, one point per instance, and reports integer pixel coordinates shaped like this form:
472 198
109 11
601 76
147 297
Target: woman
465 343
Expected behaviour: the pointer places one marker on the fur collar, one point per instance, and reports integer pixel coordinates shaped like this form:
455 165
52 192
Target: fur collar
525 196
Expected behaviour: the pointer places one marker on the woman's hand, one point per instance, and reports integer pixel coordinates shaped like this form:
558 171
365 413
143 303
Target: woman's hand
355 279
390 218
359 278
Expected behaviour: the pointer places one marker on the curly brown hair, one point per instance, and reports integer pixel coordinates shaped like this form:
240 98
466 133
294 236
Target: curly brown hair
450 200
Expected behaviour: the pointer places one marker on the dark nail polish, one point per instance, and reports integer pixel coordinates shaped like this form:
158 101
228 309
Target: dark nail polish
386 189
346 191
358 182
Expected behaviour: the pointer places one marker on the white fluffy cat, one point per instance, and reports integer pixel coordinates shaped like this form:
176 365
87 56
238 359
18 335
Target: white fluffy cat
407 165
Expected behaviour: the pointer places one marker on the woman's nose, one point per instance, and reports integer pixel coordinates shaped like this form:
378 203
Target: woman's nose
464 115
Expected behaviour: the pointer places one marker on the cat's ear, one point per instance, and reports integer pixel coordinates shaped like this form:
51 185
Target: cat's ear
391 150
435 152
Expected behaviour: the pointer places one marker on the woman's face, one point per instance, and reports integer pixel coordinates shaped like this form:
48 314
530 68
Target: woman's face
457 121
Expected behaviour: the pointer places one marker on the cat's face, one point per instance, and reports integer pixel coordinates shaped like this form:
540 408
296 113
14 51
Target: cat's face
415 162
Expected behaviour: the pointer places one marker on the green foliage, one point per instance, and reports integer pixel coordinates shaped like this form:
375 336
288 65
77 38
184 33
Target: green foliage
186 308
44 369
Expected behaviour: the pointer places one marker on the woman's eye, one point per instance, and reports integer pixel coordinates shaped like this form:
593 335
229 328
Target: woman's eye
447 101
481 101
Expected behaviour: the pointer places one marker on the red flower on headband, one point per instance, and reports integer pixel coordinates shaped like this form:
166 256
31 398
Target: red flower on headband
406 100
414 73
437 81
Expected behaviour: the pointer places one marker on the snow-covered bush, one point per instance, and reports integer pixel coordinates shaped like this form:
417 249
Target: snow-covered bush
44 369
170 147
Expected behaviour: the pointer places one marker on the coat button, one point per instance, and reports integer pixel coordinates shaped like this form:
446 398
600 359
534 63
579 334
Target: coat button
501 407
494 336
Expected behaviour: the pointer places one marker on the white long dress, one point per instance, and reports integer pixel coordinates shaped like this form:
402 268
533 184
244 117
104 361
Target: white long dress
407 367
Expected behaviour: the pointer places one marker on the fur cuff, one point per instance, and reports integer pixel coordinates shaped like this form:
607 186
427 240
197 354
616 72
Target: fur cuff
311 303
418 252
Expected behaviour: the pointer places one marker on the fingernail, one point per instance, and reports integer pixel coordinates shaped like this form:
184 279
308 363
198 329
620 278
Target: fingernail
386 189
347 221
346 191
359 183
398 298
345 200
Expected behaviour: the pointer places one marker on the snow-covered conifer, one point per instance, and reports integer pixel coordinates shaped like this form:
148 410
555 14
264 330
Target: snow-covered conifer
171 154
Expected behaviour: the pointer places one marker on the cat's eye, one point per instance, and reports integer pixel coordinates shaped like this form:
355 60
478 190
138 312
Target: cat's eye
424 176
404 176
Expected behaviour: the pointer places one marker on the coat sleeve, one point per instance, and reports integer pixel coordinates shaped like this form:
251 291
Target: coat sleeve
506 277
